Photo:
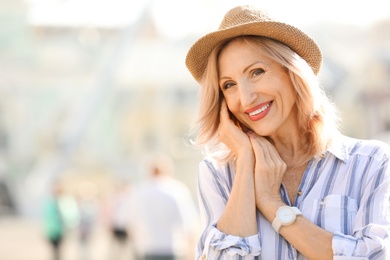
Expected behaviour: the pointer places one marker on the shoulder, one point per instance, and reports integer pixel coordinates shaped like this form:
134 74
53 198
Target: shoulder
215 178
210 164
212 169
371 148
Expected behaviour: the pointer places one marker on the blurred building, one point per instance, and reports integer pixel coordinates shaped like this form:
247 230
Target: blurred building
89 100
82 99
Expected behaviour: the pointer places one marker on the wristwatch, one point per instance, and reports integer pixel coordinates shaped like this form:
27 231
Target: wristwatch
285 216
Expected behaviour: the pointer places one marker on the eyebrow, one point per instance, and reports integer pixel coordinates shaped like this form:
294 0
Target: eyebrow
245 69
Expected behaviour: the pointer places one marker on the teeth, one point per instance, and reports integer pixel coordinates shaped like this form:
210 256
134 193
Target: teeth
258 111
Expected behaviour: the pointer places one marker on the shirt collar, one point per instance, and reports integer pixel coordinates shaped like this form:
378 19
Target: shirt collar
338 147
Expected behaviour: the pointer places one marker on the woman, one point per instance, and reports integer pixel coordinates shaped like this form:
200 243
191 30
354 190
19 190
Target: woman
279 181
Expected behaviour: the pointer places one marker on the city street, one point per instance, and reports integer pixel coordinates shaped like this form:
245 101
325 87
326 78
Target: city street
22 239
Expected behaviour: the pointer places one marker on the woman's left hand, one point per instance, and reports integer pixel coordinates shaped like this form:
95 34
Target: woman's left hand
269 172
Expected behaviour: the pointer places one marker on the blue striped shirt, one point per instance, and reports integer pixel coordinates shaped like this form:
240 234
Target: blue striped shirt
346 192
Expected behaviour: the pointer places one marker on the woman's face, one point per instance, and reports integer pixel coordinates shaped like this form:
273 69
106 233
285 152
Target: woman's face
258 91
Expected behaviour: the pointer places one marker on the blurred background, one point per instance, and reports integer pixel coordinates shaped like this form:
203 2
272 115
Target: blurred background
89 89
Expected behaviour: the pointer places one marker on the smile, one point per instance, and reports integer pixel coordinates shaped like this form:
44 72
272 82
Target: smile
258 111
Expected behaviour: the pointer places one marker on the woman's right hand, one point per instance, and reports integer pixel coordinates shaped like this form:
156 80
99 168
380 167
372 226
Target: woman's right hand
239 214
231 133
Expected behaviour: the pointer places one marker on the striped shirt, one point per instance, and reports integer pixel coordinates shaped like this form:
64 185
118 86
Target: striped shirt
346 192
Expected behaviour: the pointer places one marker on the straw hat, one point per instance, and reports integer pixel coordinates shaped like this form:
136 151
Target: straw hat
247 20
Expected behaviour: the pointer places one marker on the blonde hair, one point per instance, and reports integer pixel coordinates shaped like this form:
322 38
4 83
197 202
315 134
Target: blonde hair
316 114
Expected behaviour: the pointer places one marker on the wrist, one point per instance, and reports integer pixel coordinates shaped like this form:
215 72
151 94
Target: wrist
246 159
269 207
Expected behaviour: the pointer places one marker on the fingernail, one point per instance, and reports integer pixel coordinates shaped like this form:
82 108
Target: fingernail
249 133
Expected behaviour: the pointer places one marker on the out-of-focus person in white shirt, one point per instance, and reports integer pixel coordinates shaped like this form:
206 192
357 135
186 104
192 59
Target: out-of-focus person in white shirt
117 211
164 219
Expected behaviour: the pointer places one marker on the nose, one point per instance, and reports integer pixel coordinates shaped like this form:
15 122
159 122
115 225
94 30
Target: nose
247 93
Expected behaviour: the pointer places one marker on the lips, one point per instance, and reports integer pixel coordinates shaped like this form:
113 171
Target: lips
259 111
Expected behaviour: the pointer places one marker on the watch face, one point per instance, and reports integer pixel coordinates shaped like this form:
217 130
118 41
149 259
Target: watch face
286 215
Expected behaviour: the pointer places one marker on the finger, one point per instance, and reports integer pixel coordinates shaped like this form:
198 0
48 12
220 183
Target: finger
272 154
260 143
269 150
258 150
223 110
224 114
226 118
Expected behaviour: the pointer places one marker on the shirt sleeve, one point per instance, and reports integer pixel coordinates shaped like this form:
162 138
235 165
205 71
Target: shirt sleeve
371 237
214 185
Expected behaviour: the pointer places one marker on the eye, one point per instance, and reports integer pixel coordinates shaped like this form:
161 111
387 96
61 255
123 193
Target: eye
227 85
258 72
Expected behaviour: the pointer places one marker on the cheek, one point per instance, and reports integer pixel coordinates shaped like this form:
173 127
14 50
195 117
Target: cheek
288 96
291 99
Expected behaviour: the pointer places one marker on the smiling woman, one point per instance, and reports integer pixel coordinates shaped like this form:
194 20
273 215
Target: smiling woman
278 180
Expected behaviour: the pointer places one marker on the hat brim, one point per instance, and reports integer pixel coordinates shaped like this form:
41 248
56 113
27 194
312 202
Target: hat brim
295 39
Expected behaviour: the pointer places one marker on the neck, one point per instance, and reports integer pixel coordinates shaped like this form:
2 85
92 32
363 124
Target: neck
292 150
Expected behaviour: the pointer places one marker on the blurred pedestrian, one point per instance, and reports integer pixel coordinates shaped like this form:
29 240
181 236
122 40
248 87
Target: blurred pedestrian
118 214
7 206
163 215
53 223
88 207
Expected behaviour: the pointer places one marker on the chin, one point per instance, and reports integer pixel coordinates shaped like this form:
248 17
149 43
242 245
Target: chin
262 132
